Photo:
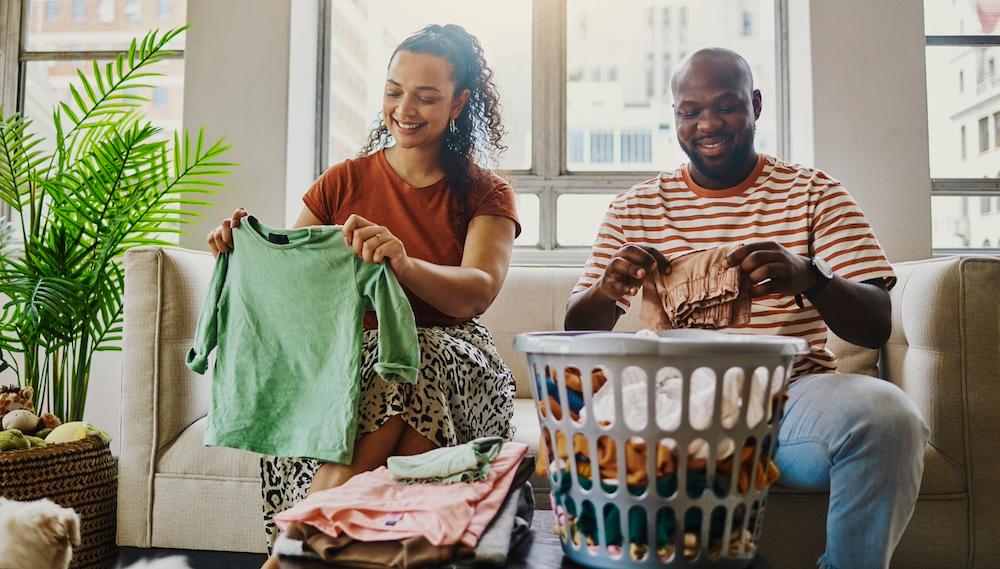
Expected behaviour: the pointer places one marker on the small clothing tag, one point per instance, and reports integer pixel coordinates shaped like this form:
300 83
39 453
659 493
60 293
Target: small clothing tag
392 518
277 238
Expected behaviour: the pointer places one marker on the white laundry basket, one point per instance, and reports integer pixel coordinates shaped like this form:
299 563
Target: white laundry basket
702 516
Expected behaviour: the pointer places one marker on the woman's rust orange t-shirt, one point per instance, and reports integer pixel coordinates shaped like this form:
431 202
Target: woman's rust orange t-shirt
422 218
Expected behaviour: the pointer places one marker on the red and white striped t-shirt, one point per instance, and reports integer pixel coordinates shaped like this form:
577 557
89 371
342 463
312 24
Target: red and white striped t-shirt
802 209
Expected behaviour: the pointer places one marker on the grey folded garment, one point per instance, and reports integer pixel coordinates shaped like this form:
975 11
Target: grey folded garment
506 530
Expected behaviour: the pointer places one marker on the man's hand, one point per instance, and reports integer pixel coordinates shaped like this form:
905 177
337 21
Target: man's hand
627 268
773 269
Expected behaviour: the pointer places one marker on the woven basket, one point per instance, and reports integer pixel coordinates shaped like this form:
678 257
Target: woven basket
79 475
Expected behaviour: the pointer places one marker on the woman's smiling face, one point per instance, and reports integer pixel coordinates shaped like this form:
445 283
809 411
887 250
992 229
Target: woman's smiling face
419 98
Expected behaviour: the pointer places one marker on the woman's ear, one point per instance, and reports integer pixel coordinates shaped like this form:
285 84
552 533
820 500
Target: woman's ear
459 104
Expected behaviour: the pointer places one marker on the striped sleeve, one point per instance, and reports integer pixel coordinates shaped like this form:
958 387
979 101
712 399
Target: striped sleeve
842 236
610 238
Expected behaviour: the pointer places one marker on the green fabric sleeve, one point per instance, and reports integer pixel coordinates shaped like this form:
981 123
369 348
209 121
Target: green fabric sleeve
398 348
206 332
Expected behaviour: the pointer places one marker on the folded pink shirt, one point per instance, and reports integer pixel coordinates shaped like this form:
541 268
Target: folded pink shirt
373 506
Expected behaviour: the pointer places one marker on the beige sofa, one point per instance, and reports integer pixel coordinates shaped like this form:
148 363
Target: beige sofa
944 352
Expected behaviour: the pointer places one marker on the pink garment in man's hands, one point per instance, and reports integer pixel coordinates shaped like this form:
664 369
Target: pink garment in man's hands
700 292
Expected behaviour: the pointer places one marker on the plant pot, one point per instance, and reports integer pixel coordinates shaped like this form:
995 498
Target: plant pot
81 475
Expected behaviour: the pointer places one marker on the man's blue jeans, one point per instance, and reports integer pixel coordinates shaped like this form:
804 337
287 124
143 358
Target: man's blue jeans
862 439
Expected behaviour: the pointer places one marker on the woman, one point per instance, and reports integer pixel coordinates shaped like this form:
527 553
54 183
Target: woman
415 198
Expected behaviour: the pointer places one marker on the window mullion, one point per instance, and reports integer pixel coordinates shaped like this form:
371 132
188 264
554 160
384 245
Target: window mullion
783 77
548 83
10 65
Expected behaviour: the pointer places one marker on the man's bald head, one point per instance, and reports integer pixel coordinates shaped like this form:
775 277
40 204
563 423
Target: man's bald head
714 65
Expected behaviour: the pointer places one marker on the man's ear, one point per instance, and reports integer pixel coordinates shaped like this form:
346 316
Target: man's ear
758 103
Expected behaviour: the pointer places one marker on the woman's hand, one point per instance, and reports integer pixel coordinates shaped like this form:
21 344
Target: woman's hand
374 243
220 239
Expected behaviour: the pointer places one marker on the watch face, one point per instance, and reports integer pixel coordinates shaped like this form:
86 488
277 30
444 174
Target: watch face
823 267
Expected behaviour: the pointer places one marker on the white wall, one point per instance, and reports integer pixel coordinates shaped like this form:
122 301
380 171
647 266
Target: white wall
236 84
869 99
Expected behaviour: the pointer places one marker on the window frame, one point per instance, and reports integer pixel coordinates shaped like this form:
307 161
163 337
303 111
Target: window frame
548 176
14 59
968 187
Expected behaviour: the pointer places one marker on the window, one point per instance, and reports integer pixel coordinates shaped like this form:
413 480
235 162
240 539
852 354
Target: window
363 36
106 11
575 147
984 134
609 126
667 73
637 147
50 64
51 10
963 38
159 96
164 8
133 10
79 10
996 129
602 146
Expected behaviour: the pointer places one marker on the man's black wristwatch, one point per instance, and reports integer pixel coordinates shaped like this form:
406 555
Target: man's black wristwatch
824 274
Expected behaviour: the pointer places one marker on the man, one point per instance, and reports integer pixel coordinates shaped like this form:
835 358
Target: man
813 264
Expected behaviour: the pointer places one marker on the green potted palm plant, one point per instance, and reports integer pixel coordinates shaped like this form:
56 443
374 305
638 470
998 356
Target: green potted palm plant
111 181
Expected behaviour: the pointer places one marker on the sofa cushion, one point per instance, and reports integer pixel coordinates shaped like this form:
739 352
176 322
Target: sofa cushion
187 455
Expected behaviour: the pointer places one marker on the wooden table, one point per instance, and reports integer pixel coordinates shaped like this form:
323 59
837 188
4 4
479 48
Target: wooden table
540 549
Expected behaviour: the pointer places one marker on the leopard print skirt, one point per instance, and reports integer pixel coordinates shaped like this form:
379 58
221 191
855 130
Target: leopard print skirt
464 392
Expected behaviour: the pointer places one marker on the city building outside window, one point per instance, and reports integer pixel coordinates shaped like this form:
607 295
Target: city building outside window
963 37
58 43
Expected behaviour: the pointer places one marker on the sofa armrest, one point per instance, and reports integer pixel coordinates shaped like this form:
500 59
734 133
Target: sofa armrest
945 353
160 397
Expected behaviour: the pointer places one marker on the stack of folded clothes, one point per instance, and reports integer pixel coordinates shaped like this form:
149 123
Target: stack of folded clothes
464 505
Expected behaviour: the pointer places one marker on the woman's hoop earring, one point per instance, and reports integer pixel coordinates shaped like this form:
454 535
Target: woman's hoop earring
452 127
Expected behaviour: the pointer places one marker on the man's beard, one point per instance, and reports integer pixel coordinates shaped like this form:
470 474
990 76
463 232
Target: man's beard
723 171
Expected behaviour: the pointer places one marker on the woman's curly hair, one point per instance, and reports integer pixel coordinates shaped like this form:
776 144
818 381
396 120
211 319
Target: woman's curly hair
479 131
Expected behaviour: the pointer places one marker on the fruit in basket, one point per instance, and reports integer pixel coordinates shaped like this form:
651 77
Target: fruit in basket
22 420
74 431
34 442
13 439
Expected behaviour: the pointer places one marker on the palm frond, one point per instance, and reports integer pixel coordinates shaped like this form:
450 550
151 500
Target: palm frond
20 158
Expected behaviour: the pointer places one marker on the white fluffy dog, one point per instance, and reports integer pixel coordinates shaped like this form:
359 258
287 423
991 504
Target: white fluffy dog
41 535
